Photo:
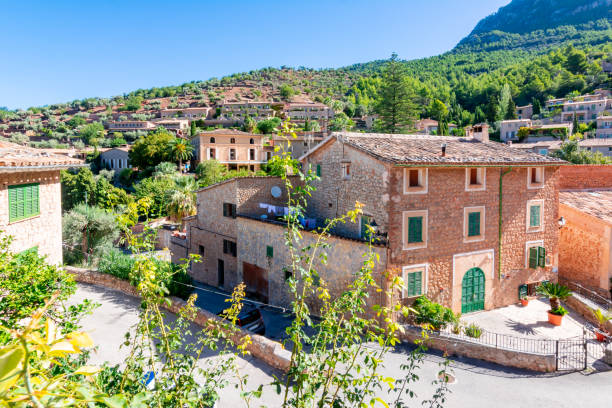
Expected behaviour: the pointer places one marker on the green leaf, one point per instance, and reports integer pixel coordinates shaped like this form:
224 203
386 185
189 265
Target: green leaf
116 401
140 399
10 361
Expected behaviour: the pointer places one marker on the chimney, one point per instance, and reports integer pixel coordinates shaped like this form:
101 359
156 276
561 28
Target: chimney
481 132
509 142
443 149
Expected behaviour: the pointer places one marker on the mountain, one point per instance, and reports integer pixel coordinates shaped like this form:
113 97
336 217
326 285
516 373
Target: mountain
537 25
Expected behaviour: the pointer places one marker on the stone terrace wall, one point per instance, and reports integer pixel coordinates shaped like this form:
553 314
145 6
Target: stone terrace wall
583 307
585 176
537 362
262 348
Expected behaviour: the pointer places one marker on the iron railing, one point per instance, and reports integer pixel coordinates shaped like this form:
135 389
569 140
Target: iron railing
590 294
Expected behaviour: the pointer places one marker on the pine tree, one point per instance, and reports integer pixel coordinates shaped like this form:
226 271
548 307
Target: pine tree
510 110
537 106
396 105
575 123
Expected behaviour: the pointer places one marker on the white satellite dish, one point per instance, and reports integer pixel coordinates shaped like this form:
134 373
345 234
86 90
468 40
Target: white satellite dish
275 191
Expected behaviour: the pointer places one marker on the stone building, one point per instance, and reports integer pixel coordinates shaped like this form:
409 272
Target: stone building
233 148
585 242
187 113
437 201
116 158
31 195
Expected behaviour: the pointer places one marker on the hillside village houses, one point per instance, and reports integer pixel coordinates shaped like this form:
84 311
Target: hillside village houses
235 149
116 158
604 146
435 203
30 192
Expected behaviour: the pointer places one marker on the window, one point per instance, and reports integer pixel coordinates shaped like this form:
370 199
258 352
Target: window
201 250
535 177
535 213
23 201
269 251
251 141
537 257
229 247
268 156
232 154
251 154
475 179
414 229
346 170
415 181
287 273
364 224
318 170
233 140
415 280
229 210
473 222
212 140
212 154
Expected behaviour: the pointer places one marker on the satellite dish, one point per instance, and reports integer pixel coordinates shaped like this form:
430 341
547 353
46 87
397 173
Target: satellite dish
275 191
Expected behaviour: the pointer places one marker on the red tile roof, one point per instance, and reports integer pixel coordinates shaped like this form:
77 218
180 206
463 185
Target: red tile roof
16 156
597 203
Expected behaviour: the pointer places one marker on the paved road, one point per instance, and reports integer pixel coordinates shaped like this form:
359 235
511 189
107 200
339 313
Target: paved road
478 384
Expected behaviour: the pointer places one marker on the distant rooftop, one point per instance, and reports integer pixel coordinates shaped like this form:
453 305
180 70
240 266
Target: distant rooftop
17 156
597 203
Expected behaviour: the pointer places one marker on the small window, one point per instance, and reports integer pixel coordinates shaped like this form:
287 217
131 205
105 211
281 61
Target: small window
475 179
414 283
201 249
415 181
212 140
346 170
537 257
233 140
251 154
212 154
535 177
270 251
318 170
251 141
287 274
474 224
415 230
232 154
229 210
229 247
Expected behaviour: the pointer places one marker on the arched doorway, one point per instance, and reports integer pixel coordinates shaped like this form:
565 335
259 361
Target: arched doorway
473 291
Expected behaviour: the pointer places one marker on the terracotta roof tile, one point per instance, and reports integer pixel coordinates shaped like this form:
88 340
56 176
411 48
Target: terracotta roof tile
14 155
425 149
597 203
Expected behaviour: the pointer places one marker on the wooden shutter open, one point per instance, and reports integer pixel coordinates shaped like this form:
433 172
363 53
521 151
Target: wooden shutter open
533 257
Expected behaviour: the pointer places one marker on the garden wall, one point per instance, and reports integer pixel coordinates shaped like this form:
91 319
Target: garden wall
583 307
536 362
262 348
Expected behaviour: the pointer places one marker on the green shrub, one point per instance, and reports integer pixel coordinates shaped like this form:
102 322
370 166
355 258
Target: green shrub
560 311
473 330
116 263
432 313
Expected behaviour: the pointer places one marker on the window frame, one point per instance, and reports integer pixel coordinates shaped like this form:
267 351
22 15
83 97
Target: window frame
230 248
466 223
539 172
409 269
406 215
528 227
535 244
481 175
346 170
11 191
269 251
229 210
423 186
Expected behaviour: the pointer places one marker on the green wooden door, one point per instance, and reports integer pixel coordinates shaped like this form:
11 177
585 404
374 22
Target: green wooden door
473 291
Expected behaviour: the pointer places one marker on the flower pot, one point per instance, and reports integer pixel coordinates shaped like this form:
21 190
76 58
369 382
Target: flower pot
524 302
601 335
554 319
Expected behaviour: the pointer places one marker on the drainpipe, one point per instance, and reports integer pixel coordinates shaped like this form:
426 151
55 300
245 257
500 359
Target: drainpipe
502 173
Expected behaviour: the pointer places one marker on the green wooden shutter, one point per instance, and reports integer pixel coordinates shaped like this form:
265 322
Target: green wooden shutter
534 216
414 283
533 257
269 251
23 201
415 229
541 257
318 170
473 224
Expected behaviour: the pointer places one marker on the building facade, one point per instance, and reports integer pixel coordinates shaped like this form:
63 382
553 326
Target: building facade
604 127
232 148
116 159
30 191
187 113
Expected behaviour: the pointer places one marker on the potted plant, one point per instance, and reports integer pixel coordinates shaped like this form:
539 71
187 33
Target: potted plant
555 293
524 300
601 333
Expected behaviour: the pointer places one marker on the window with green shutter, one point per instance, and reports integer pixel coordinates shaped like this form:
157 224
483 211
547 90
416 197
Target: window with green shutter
269 251
474 224
23 201
533 257
415 230
541 257
414 283
534 216
318 170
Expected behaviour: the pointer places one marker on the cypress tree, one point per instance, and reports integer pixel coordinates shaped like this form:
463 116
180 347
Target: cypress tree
396 107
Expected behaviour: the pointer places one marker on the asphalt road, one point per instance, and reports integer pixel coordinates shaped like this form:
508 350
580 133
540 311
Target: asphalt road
478 384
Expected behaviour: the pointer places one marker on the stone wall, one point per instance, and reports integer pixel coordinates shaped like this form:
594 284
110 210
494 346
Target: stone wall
585 176
582 306
448 256
334 196
585 249
262 348
456 347
44 230
344 259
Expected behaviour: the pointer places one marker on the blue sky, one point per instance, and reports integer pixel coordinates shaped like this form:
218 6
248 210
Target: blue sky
58 51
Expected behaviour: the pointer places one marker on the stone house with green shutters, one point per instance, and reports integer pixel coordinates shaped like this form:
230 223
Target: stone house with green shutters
30 194
465 221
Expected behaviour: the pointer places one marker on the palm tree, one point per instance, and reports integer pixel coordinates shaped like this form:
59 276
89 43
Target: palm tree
181 150
182 201
555 293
